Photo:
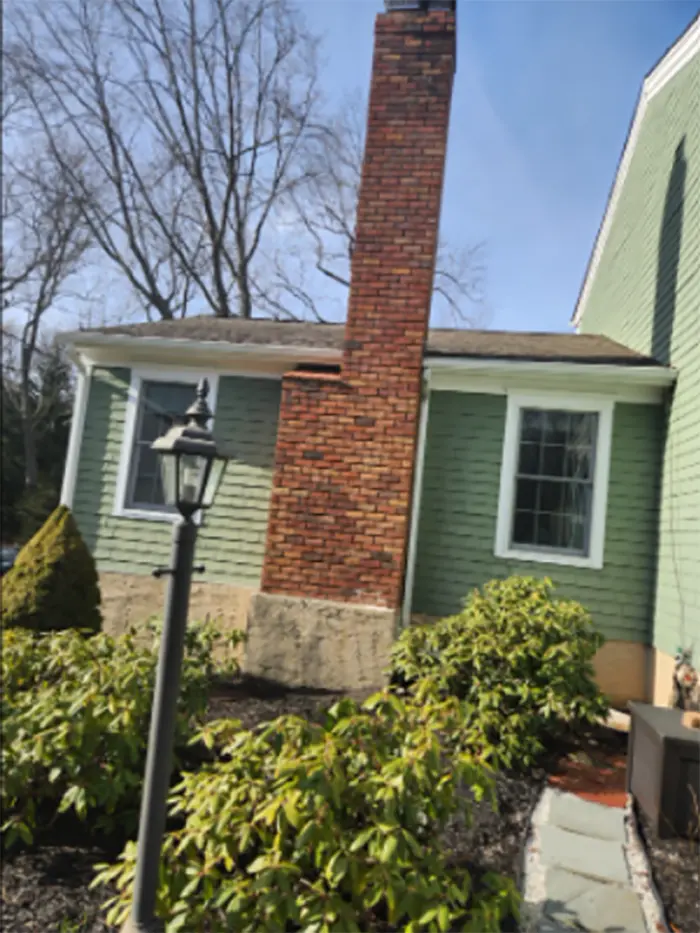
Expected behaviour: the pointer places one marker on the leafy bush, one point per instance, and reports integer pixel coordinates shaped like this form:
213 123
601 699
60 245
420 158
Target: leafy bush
520 660
323 827
53 584
75 716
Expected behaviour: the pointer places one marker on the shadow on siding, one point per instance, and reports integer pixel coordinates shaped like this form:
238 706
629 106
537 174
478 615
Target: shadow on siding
670 237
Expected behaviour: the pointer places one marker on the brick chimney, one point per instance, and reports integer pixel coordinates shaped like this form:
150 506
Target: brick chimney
340 506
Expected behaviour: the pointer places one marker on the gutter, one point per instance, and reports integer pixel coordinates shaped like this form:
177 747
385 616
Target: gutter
417 495
80 341
639 374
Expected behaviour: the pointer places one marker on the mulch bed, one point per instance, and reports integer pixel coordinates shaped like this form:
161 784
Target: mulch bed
675 865
592 766
46 889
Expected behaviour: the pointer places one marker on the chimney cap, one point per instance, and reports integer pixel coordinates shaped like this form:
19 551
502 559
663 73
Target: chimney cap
425 6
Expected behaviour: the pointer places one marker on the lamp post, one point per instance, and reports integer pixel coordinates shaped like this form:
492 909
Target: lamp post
191 471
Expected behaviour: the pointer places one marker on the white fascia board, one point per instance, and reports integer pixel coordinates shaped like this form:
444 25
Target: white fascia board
268 359
685 49
633 384
640 374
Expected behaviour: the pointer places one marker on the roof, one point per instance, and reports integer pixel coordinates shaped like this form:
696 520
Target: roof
683 50
442 342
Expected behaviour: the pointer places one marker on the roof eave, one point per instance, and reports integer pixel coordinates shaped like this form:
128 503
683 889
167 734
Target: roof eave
160 349
641 373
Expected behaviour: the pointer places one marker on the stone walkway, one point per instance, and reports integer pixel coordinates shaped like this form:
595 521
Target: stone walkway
577 875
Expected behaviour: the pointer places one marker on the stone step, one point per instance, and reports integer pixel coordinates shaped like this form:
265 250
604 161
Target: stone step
600 859
574 902
586 818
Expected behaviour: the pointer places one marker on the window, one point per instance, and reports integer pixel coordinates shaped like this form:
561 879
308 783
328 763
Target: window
162 404
156 401
554 480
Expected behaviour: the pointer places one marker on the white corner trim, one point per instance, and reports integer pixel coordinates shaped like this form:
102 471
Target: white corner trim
685 49
416 499
75 437
138 377
506 498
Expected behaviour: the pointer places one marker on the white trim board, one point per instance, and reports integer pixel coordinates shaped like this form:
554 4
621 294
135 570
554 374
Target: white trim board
506 497
75 437
416 499
262 360
683 51
139 376
640 384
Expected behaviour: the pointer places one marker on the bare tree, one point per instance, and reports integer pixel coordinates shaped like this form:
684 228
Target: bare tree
193 116
45 245
326 211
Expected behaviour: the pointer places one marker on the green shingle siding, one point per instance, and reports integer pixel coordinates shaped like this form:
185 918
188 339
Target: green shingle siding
457 525
232 537
646 294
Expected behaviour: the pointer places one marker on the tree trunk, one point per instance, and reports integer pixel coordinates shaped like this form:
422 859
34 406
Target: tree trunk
245 301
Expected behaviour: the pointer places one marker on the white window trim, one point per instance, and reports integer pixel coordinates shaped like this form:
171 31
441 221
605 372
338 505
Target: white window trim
555 401
138 377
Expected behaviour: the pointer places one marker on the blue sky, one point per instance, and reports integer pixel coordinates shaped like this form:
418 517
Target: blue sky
543 97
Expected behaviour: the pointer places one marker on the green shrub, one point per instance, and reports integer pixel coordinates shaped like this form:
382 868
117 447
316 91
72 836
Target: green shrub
53 584
75 716
323 827
520 660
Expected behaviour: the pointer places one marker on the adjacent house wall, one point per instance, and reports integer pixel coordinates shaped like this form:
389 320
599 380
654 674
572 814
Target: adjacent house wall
231 540
646 294
458 526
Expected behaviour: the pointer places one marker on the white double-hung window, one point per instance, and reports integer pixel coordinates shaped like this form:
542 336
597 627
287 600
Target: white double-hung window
554 480
156 401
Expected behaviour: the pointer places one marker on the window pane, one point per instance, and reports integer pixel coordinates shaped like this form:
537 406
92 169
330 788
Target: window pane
556 427
547 530
147 490
551 496
524 528
577 463
148 460
553 458
162 404
152 425
583 428
529 460
553 483
531 425
578 498
526 494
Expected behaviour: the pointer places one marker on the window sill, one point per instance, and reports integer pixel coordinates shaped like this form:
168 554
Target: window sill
143 515
146 515
542 557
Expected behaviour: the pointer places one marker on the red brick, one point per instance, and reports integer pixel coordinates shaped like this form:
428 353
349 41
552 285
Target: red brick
338 525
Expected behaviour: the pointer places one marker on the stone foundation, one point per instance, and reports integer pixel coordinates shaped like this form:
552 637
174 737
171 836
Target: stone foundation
318 643
622 672
132 599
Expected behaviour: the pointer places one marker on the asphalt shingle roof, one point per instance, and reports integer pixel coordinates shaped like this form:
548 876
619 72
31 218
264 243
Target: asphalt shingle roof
445 342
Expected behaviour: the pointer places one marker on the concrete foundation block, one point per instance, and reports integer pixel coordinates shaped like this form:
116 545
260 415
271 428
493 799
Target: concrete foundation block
319 644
